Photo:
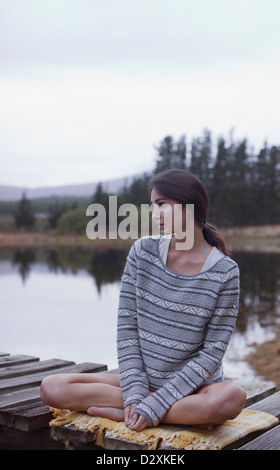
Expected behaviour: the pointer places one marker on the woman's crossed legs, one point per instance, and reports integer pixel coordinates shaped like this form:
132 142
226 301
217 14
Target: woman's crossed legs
100 394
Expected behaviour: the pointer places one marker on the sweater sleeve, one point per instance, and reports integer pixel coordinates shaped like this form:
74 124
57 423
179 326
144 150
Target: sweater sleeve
197 369
133 378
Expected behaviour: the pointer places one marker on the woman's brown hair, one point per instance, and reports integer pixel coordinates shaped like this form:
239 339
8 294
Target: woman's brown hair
186 188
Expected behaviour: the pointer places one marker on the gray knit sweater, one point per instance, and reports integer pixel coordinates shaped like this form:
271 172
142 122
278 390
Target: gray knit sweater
173 329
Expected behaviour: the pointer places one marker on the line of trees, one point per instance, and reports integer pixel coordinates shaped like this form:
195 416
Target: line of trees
243 186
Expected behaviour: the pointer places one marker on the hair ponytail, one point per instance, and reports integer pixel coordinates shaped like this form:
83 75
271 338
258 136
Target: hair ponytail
213 237
186 188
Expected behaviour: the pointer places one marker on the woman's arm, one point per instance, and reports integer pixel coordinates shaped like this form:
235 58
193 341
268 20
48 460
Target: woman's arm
133 378
204 364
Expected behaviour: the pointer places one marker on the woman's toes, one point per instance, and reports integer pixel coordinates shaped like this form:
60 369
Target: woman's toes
93 411
116 414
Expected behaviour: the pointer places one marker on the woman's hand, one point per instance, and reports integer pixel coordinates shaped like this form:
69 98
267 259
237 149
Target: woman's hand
133 420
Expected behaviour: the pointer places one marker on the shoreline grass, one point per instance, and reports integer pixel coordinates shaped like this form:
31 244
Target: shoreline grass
264 238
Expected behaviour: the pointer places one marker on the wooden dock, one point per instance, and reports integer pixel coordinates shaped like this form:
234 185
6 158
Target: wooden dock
24 418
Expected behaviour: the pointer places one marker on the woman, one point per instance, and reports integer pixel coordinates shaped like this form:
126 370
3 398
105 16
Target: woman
177 311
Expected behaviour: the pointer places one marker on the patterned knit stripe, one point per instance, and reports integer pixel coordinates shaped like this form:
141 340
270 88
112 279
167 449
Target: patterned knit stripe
210 280
164 283
183 321
146 250
164 303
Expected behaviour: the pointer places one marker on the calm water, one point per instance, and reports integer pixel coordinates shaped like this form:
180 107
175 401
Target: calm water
63 304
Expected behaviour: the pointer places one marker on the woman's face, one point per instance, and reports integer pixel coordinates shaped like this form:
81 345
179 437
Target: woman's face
174 218
165 213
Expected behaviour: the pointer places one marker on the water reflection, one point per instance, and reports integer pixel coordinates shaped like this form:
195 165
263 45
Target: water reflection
105 266
260 288
23 258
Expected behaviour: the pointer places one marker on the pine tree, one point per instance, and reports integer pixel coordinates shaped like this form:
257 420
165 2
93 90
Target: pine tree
23 215
101 197
137 193
241 184
218 194
266 182
201 158
274 184
55 212
171 154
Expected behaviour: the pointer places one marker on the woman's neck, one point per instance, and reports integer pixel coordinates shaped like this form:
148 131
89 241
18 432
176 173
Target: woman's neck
190 261
198 243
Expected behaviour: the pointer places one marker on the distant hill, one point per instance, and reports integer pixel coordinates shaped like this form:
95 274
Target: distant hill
14 193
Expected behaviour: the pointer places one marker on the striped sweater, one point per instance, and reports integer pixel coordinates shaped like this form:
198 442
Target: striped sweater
173 329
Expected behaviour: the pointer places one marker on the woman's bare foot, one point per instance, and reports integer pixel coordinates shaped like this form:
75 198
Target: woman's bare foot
116 414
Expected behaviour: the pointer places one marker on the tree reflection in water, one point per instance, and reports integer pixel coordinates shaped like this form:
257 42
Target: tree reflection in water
105 266
260 288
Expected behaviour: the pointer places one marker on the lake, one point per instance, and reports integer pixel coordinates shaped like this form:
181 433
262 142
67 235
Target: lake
63 303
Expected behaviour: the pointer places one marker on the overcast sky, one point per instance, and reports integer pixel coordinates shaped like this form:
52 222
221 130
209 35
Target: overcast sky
88 87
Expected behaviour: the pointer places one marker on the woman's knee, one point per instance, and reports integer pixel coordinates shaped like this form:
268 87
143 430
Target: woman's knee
52 390
226 404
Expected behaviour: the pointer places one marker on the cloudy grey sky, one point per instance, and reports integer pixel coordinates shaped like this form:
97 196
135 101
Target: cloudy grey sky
88 87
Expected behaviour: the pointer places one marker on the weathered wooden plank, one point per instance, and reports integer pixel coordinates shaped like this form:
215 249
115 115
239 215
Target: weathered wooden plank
33 418
69 433
24 418
16 360
29 395
32 380
270 440
77 437
256 391
113 443
32 368
270 405
27 416
15 439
